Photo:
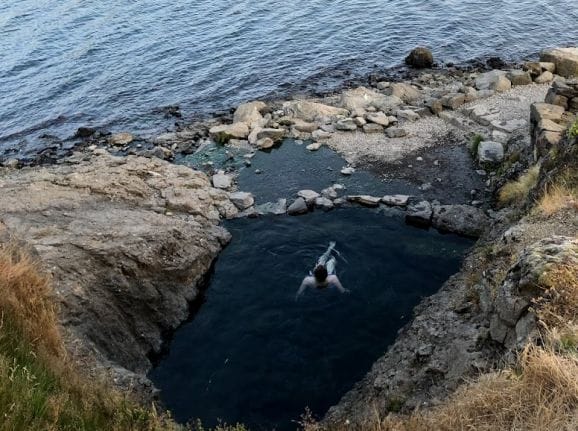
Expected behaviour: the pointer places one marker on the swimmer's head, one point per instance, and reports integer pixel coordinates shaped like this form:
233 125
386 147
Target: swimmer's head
320 273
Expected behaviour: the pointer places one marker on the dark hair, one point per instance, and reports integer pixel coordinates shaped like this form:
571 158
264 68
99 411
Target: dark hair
320 273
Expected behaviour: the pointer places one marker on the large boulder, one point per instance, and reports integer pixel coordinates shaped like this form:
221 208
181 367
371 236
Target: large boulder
565 59
420 58
460 219
312 111
250 114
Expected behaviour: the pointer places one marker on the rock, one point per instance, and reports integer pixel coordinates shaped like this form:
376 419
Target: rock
499 136
565 59
258 133
223 133
364 98
494 80
121 139
319 135
312 111
298 207
323 204
407 114
314 146
275 208
396 132
373 128
304 126
378 118
360 121
453 100
545 141
550 126
545 111
348 170
509 126
308 195
160 152
405 92
470 94
365 200
544 78
547 66
222 181
383 85
84 132
435 106
329 193
11 163
460 219
242 200
519 77
124 271
420 58
346 124
265 143
490 152
395 200
250 114
419 214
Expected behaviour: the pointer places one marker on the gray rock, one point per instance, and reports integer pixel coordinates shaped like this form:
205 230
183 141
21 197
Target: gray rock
490 152
346 124
242 200
453 100
320 135
509 126
299 206
226 132
419 214
494 80
348 170
404 92
565 59
519 77
275 208
308 195
314 146
312 111
222 181
396 132
407 114
378 118
329 193
365 200
323 203
11 163
373 128
396 200
460 219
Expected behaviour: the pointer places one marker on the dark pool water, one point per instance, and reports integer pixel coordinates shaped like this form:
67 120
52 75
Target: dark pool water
253 354
70 63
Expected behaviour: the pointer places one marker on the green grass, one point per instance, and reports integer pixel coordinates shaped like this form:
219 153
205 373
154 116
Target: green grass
475 143
573 130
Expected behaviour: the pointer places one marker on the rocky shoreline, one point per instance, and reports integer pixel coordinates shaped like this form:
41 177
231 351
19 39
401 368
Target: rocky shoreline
128 236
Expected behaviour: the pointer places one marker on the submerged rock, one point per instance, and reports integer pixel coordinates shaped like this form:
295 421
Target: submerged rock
348 170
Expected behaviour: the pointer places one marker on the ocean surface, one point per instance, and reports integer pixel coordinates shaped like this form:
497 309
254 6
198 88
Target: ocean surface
71 63
256 355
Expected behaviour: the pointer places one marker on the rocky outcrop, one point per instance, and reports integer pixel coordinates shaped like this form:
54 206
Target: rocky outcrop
127 241
565 59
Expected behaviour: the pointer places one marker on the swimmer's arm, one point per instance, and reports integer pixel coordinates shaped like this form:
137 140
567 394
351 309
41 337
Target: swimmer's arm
304 285
337 284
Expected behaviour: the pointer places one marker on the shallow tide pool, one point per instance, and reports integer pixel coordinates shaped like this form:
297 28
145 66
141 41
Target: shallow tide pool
254 354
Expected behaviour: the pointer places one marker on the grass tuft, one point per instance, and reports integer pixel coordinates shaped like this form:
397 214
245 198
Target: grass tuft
557 197
516 192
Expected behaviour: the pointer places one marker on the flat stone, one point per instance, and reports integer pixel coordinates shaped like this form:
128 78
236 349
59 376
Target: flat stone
222 181
312 111
373 128
121 139
323 203
509 126
365 200
396 132
396 200
242 200
545 111
308 195
321 135
378 118
299 206
314 146
304 126
490 152
419 214
551 126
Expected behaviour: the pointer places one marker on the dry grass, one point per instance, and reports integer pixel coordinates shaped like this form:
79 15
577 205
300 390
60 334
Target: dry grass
558 306
558 197
516 192
39 388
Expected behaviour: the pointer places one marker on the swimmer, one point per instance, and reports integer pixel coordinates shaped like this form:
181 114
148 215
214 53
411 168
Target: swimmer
323 275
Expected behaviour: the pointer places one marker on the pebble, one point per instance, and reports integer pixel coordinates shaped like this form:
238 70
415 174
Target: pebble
258 171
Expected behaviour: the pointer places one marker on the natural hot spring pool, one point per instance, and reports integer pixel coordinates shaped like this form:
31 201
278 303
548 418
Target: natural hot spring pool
253 354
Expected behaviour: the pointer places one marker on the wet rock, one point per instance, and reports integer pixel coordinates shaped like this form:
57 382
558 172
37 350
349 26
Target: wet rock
314 146
396 132
365 200
494 80
323 203
308 195
396 200
372 128
222 181
242 200
311 111
346 124
490 152
275 208
225 132
84 132
460 219
121 139
420 58
565 59
250 114
378 118
348 170
329 193
299 206
419 214
519 77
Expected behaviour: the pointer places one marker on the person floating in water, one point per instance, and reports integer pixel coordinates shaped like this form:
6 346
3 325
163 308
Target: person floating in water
323 275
